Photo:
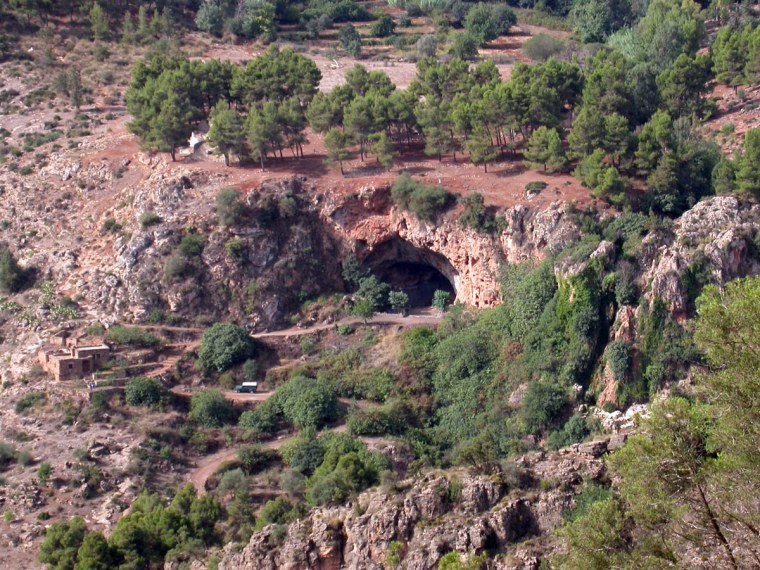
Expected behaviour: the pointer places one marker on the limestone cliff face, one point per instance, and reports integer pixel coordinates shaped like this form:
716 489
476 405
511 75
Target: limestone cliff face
428 520
471 261
713 241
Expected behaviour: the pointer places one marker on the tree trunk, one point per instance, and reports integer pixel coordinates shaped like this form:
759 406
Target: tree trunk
226 158
341 167
716 528
173 153
485 165
261 160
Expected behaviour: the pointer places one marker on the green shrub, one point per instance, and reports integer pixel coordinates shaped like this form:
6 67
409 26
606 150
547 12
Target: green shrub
29 400
307 403
144 392
263 419
43 473
303 453
209 408
236 249
533 188
278 511
12 277
542 406
590 493
223 346
8 455
426 202
253 459
111 226
148 219
133 336
475 214
543 46
191 246
619 355
229 208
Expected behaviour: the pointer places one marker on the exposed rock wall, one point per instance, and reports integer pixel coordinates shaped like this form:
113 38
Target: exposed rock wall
429 521
472 261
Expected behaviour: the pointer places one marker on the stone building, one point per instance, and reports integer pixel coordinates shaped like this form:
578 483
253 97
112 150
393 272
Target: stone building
64 359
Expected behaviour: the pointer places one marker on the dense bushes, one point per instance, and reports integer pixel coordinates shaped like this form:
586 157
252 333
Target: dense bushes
303 402
209 408
12 277
223 346
133 336
150 534
144 392
424 201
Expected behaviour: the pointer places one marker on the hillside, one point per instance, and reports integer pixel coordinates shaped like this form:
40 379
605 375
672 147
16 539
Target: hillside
354 284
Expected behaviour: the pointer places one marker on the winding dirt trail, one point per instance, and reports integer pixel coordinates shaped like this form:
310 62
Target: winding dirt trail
425 317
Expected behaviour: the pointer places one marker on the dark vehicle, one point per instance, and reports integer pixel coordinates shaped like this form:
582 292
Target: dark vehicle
247 387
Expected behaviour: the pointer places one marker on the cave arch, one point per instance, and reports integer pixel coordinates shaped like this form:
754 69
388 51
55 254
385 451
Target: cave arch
417 271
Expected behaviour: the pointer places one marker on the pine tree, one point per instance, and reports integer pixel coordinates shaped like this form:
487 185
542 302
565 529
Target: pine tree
545 149
382 148
336 144
480 148
748 164
128 29
227 132
98 23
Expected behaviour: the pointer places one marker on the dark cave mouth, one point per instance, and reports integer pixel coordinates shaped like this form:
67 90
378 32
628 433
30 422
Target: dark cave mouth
418 280
416 271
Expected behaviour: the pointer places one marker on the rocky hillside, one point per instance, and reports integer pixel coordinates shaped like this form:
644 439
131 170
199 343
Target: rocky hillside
413 523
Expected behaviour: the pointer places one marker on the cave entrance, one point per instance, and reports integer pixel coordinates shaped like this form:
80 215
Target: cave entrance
417 272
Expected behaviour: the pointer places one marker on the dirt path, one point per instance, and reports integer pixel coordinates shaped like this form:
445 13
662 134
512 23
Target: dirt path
208 465
380 319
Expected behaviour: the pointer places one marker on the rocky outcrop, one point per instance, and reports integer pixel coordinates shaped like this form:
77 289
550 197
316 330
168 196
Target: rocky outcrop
470 260
713 241
428 517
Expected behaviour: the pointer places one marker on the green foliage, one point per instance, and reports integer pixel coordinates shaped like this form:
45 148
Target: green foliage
348 468
133 336
748 164
307 403
441 299
229 209
98 22
29 400
278 511
253 459
374 291
543 404
575 430
545 150
227 134
350 39
543 46
424 201
619 357
43 473
590 494
399 301
475 214
465 46
209 408
12 277
144 392
148 219
61 544
223 346
383 27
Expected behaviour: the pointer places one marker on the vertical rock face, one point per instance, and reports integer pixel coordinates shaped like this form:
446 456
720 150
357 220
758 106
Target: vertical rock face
711 242
428 520
470 260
